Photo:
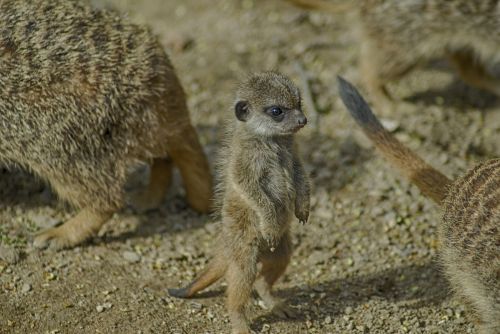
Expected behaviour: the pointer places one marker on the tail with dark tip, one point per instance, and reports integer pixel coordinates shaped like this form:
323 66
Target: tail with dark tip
430 181
215 270
324 5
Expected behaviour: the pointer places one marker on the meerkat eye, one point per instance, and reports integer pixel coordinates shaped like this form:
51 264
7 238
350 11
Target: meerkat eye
275 111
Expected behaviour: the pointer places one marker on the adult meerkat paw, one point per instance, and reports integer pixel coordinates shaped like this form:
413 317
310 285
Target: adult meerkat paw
54 238
284 311
75 231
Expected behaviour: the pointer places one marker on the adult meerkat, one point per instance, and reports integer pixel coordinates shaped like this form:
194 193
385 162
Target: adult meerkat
262 185
398 35
83 94
470 229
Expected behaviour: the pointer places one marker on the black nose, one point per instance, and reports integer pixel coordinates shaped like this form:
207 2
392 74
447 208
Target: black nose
302 121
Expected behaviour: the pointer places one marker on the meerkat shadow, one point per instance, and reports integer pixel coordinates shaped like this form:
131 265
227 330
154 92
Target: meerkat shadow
456 95
174 216
20 188
411 287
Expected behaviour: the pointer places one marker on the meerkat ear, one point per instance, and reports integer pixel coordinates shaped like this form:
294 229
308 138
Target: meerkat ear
241 110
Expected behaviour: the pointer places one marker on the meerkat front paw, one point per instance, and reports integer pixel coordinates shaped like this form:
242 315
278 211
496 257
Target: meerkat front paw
302 214
271 236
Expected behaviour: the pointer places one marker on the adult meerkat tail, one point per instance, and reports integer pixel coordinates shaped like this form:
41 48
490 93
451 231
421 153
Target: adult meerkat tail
216 269
430 181
334 8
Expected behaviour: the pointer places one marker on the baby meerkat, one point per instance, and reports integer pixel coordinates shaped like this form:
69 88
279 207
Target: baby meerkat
398 35
470 229
262 184
84 93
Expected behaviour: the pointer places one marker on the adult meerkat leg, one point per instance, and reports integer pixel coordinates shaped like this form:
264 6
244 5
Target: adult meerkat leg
73 232
274 265
159 182
185 150
369 68
473 72
97 197
378 66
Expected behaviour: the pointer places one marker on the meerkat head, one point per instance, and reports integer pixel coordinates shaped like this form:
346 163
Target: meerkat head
270 105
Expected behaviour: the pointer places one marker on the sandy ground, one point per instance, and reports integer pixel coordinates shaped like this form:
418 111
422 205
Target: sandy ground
365 263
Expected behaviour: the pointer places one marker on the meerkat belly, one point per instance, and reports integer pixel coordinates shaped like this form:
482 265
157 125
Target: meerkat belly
287 194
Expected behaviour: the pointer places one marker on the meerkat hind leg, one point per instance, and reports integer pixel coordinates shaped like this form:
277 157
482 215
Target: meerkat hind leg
274 265
240 278
213 273
187 154
379 66
73 232
473 72
159 182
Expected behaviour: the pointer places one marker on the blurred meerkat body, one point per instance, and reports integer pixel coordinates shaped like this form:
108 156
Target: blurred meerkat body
470 229
398 35
261 185
84 93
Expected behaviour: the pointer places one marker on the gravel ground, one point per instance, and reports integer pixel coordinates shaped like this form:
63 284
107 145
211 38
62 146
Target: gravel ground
365 263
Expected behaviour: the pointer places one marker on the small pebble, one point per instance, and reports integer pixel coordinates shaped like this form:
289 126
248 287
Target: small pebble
44 221
26 288
105 306
9 255
132 257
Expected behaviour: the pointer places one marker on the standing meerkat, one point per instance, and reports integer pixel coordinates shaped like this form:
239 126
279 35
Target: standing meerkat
262 185
470 229
84 93
398 35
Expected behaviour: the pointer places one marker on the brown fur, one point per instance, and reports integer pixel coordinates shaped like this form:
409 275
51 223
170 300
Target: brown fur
398 35
470 228
84 93
261 184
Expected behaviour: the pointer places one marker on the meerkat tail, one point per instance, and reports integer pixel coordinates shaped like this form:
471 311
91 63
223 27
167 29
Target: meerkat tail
215 270
430 181
323 5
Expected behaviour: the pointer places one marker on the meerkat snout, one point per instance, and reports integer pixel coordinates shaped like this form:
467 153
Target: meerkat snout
302 120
